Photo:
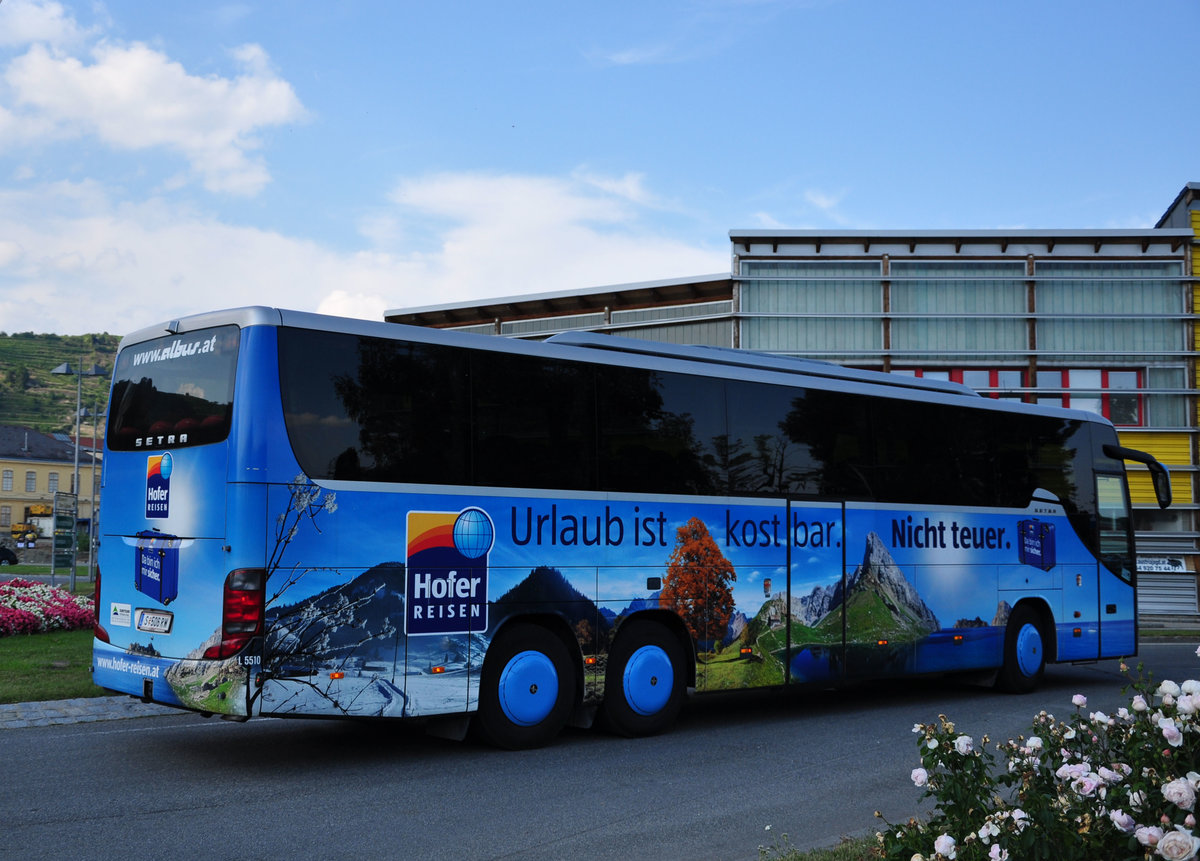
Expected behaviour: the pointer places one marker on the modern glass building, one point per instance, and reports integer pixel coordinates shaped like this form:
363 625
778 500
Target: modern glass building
1102 320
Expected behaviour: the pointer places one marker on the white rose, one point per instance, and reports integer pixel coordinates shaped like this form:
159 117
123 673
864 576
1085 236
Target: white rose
1109 775
1178 845
1180 793
1079 700
920 776
1168 689
945 845
1191 686
964 744
1139 703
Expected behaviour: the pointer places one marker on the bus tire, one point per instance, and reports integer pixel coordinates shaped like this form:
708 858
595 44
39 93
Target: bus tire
1024 652
644 683
527 688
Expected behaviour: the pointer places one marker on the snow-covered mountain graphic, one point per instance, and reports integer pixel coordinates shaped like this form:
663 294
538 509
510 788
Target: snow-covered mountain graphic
877 599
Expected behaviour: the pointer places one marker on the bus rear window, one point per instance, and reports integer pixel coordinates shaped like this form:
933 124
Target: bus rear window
174 391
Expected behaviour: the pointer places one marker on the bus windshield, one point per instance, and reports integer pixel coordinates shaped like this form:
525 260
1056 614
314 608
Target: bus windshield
175 391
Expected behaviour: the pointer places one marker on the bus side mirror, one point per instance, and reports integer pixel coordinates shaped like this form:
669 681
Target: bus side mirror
1162 483
1159 476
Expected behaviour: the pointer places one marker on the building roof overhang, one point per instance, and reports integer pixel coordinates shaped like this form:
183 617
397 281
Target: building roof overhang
1097 239
642 294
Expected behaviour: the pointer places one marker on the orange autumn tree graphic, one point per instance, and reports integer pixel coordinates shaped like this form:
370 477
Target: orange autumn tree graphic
699 582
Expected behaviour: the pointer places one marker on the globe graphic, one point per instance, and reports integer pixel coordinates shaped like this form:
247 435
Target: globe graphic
473 533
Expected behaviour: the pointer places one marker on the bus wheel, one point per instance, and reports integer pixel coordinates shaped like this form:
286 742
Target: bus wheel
527 687
1024 653
644 684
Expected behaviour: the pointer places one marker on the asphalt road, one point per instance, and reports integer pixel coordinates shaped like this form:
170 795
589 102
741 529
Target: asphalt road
813 765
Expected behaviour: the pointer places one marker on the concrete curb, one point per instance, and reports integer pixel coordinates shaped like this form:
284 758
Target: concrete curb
78 710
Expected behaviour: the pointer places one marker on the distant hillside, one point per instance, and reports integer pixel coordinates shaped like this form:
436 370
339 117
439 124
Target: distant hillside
31 396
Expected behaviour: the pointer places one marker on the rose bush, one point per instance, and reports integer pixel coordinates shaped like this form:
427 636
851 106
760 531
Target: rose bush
29 607
1121 786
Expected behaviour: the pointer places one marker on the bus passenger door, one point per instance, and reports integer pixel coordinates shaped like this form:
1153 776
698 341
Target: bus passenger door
816 583
1117 570
1079 627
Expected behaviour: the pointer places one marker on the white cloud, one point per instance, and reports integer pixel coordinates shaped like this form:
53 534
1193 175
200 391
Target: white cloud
822 200
23 22
765 219
134 98
507 234
74 261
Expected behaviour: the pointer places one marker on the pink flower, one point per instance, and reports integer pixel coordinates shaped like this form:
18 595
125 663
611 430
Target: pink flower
28 607
920 776
1171 732
1123 821
1079 700
1148 835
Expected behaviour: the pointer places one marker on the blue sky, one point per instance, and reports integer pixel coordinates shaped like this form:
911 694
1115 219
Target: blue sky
159 159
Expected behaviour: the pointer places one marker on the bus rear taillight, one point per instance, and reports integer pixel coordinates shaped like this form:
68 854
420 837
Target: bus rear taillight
242 613
97 629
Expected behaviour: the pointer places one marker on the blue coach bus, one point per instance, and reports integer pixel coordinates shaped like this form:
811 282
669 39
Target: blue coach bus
312 516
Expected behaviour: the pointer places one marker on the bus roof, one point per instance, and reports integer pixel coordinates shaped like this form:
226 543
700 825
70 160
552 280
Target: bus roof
616 350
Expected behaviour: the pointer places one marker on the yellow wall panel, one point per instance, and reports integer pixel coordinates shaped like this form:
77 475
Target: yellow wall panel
1172 449
1168 447
1141 491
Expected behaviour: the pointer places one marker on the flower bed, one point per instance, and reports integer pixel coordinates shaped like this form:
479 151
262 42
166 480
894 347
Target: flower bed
1121 786
29 607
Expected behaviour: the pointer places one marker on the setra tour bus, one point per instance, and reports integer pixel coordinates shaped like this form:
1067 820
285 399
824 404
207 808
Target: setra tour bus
312 516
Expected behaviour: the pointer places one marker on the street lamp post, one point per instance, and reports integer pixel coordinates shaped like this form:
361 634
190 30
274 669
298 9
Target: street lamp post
92 508
94 371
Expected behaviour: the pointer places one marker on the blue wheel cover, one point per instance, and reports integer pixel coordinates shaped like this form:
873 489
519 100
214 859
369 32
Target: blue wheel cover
649 679
528 688
1029 650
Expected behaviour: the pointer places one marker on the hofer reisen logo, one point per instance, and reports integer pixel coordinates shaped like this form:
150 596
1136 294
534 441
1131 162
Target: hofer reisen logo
447 571
158 485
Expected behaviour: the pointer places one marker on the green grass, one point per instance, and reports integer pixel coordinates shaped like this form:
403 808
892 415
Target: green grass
50 666
7 572
847 850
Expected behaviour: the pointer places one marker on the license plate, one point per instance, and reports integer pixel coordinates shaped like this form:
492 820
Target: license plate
154 621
